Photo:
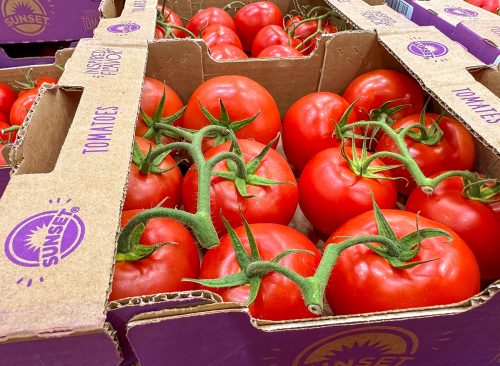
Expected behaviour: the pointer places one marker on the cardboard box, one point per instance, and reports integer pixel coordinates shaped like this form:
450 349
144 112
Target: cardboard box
66 319
477 29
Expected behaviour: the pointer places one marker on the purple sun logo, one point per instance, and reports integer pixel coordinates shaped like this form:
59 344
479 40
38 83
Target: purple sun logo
124 28
427 49
27 17
44 239
461 12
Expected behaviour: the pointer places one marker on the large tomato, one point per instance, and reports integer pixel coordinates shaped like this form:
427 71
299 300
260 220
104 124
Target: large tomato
148 190
455 150
330 193
278 298
218 34
152 92
243 99
362 281
251 18
476 222
309 124
377 87
279 51
271 35
275 203
164 269
7 98
21 107
207 17
170 17
227 52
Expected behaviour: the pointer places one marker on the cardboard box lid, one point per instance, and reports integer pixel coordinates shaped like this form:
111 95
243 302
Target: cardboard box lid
60 242
456 11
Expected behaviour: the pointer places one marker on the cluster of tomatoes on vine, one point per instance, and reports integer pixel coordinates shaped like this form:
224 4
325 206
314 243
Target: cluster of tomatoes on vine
239 195
15 102
258 29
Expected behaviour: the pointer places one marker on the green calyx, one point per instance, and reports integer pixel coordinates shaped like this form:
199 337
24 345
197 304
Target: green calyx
225 121
482 190
29 84
148 163
135 251
153 121
251 272
250 178
425 135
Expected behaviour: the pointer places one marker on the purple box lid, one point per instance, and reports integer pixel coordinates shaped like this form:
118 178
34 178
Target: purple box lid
47 20
482 40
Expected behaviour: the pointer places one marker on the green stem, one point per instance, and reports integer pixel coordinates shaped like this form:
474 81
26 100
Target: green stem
227 155
166 25
186 135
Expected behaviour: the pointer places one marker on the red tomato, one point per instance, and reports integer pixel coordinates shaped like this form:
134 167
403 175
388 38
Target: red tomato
159 32
476 222
227 52
218 34
275 203
362 281
330 193
170 17
243 98
377 87
489 5
163 270
210 16
7 98
152 91
148 190
21 107
279 51
37 84
303 30
278 298
4 123
309 124
251 18
455 151
311 46
271 35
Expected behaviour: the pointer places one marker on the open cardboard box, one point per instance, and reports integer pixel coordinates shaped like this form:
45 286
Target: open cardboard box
59 311
475 28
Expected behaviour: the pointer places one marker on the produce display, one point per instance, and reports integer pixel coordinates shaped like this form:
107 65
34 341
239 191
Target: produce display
258 29
352 155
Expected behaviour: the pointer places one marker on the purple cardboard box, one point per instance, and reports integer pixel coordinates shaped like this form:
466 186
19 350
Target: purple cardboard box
27 21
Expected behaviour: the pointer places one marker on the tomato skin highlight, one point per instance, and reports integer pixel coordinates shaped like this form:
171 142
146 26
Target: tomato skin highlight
163 270
271 204
309 124
21 107
227 52
330 193
455 151
363 282
279 298
148 190
376 87
152 91
489 5
477 223
208 17
218 34
243 98
251 18
271 35
7 98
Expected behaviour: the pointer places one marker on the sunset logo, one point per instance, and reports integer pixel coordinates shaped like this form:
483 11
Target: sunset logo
26 17
370 346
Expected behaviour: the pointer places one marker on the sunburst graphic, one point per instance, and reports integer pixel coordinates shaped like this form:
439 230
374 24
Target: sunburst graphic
36 239
23 8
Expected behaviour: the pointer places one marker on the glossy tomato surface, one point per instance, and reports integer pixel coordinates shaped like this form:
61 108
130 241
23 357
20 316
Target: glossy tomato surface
223 52
218 34
7 98
271 35
279 51
207 17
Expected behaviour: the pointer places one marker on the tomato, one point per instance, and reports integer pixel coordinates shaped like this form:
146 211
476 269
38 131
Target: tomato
210 16
218 34
251 18
489 5
278 298
21 107
159 32
311 46
330 193
164 269
309 124
35 85
275 203
279 51
7 98
243 98
303 30
377 87
476 222
227 52
170 17
271 35
455 150
148 190
152 91
362 281
4 123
